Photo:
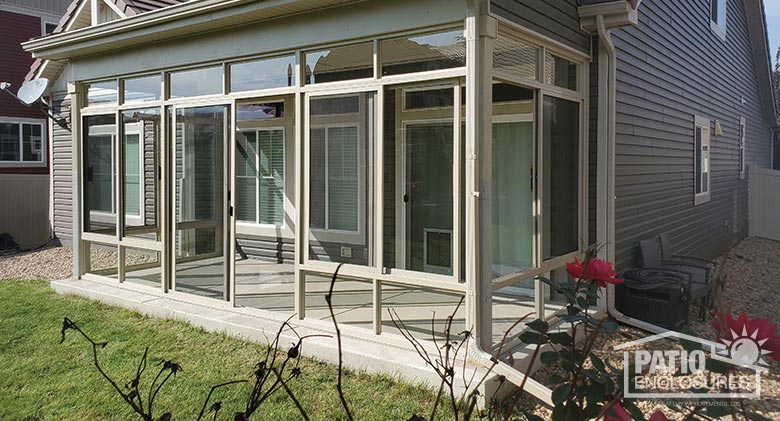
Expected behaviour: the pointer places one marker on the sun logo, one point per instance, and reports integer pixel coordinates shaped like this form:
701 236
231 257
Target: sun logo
746 348
750 339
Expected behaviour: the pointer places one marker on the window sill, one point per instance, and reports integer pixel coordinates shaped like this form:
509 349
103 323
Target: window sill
720 32
701 198
26 164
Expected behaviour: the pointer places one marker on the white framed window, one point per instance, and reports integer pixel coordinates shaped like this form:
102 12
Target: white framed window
260 177
22 143
742 136
701 161
103 173
718 17
339 169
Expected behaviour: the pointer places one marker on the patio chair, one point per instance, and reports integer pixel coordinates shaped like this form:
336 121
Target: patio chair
698 276
668 256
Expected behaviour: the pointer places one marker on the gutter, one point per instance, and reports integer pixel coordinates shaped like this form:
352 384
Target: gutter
600 19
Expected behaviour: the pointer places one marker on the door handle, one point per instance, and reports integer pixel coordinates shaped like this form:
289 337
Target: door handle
406 198
531 177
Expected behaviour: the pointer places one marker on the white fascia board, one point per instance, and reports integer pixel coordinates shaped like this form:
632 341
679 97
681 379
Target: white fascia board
616 14
181 19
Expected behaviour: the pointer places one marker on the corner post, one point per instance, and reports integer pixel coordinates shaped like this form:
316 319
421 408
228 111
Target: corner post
481 30
80 251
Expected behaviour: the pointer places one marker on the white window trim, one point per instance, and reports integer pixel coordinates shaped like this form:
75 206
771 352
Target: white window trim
110 217
714 26
44 135
742 156
361 152
705 125
256 222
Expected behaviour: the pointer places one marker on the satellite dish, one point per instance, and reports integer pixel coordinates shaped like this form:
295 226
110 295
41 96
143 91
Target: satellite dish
33 90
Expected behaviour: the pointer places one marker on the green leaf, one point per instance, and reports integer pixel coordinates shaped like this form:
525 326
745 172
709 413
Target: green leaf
555 379
539 325
561 393
758 417
548 357
532 338
718 410
598 363
609 326
632 409
582 302
595 394
717 366
561 338
687 345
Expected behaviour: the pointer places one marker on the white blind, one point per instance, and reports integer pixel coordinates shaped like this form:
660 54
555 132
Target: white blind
342 178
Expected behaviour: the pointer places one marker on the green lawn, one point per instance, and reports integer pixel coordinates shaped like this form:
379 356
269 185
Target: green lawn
41 379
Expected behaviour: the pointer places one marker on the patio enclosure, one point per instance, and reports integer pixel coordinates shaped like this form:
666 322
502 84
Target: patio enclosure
359 152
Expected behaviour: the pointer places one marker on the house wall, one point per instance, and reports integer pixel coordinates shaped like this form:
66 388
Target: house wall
672 67
61 174
556 19
24 208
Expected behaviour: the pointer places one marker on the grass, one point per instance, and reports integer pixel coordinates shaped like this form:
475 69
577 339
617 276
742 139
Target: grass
41 379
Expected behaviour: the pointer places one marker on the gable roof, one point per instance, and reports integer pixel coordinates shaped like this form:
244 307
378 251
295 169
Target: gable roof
78 15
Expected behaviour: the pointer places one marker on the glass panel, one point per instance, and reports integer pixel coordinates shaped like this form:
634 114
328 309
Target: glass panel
560 72
275 72
143 267
260 161
197 82
513 173
9 142
246 176
419 148
142 89
421 53
340 63
436 98
141 148
102 93
99 174
102 260
516 57
697 160
341 183
32 142
560 198
199 197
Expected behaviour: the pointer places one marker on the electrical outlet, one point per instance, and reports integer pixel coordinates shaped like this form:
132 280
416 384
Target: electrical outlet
346 252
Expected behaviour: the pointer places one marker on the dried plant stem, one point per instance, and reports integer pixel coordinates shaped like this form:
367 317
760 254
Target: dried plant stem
339 385
291 394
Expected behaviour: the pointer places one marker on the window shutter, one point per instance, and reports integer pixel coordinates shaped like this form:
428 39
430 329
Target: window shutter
271 176
246 178
343 178
132 175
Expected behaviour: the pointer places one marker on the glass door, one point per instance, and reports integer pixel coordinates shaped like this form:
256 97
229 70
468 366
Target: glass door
200 196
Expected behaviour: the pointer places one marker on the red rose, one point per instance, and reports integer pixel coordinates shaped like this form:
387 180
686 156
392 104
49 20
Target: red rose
621 414
762 330
594 270
658 416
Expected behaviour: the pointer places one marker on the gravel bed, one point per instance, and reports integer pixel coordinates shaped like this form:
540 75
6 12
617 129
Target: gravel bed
49 263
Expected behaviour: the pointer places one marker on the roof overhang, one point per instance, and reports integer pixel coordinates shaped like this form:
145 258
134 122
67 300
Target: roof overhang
181 20
762 61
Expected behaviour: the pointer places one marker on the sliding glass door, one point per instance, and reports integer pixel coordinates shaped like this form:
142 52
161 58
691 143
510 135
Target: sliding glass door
200 240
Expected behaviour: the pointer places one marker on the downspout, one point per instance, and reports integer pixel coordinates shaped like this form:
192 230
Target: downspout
607 119
478 295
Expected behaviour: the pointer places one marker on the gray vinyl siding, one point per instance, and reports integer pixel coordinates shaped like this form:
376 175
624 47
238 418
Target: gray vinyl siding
556 19
672 67
62 167
270 249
